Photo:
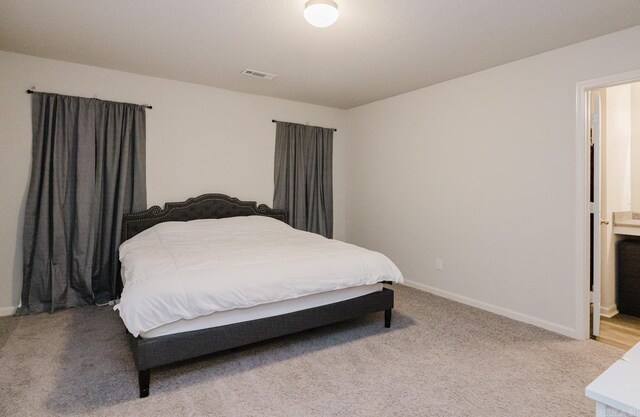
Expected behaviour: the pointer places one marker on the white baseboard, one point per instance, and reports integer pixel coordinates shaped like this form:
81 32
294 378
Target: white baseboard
608 312
7 311
563 330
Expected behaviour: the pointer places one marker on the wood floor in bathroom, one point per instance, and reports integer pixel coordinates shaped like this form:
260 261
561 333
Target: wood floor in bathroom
620 330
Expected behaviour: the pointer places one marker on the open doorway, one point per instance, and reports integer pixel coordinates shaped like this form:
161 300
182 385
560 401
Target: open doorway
613 118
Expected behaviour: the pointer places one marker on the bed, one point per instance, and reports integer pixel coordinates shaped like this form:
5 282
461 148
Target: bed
214 273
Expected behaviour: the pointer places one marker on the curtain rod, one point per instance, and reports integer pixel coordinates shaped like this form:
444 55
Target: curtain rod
276 121
30 91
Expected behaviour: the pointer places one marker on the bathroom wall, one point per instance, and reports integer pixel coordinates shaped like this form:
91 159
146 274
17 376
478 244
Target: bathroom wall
616 180
620 174
635 144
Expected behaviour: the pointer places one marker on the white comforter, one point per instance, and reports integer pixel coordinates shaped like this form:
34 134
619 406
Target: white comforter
183 270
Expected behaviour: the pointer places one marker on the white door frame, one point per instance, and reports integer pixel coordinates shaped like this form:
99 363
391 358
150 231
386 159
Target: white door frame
582 194
594 125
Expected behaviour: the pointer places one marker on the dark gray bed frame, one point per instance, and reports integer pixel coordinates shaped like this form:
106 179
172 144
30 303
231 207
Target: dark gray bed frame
163 350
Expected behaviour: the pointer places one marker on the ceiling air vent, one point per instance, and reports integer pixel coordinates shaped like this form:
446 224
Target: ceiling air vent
258 74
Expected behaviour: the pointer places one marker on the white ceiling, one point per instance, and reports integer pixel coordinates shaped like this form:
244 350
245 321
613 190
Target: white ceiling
376 49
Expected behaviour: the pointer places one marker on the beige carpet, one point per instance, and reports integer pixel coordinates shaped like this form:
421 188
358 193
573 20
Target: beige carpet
440 358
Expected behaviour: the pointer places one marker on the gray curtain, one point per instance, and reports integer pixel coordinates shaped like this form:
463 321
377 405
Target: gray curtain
303 176
88 168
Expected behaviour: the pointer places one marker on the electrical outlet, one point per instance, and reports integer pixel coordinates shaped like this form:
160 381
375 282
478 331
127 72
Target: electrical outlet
439 264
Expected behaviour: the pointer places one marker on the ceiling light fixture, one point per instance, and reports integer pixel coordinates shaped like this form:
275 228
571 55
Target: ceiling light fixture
321 13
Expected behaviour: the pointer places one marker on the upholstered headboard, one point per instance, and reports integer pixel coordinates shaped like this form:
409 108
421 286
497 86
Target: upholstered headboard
206 206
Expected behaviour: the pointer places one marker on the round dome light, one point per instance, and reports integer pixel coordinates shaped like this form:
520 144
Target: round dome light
321 13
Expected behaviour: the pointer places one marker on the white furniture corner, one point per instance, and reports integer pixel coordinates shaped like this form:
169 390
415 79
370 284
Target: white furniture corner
617 390
626 223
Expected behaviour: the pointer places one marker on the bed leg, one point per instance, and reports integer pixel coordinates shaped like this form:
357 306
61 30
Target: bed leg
144 378
387 318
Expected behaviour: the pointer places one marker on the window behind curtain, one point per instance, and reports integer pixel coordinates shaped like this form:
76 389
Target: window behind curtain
88 169
303 176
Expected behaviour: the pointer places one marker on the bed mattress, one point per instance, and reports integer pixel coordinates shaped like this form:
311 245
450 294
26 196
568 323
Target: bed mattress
177 271
239 315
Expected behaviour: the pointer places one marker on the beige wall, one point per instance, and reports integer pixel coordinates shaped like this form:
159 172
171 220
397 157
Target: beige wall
634 132
199 139
616 180
620 175
481 172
